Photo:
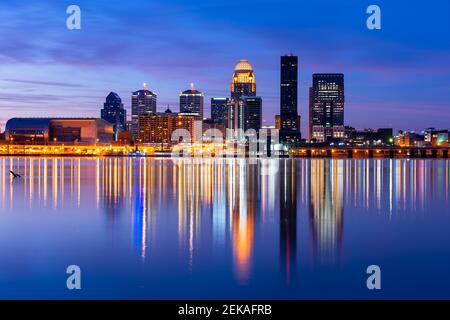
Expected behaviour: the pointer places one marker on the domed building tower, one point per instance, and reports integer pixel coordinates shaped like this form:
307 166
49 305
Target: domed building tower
243 82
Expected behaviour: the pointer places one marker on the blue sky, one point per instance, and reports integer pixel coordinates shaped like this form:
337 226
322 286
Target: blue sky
398 76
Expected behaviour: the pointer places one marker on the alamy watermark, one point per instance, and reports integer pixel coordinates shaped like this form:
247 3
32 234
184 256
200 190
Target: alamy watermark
254 146
374 20
74 280
374 280
73 21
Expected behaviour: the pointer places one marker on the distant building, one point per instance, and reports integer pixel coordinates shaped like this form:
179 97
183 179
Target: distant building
437 138
142 102
192 101
289 118
383 136
114 112
59 131
219 108
408 139
157 128
326 107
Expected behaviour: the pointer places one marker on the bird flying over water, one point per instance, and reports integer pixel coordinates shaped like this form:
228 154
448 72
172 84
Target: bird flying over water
15 175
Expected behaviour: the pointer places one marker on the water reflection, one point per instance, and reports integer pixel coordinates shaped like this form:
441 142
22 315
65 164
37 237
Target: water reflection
326 210
222 204
288 218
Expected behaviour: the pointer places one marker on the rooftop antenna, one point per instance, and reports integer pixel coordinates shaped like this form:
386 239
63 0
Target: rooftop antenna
144 86
192 86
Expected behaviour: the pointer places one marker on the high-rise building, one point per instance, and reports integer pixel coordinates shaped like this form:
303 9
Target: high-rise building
289 118
142 102
191 101
251 113
114 112
326 107
243 81
219 108
243 86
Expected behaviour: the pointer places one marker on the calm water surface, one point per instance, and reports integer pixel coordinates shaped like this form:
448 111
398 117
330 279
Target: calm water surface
277 229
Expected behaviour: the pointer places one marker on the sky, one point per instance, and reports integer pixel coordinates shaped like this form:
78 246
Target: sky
397 77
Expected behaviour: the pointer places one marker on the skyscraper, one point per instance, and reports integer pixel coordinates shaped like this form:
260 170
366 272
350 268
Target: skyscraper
326 107
114 112
219 107
243 81
243 87
289 118
251 113
191 101
142 102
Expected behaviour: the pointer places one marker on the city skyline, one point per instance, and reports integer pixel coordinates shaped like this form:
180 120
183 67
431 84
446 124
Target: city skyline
392 79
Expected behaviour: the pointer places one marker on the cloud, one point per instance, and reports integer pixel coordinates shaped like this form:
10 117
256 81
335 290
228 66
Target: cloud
46 83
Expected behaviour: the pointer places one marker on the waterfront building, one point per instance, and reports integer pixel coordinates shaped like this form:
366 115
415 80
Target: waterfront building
326 107
114 112
142 102
87 131
382 136
192 101
437 138
408 139
157 128
289 118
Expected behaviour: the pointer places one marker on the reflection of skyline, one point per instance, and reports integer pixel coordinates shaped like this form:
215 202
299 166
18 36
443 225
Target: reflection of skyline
326 210
288 218
227 201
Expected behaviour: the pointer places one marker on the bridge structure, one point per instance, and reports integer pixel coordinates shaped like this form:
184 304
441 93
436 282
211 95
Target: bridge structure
369 152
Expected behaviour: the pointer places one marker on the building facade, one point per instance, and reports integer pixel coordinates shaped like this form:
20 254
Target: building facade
114 112
142 102
326 107
251 113
219 110
192 102
289 118
244 107
88 131
243 83
158 128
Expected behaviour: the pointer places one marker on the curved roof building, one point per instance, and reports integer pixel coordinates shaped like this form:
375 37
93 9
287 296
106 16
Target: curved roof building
243 80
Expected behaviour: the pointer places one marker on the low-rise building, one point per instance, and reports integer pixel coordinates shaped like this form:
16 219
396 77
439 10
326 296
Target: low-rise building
58 131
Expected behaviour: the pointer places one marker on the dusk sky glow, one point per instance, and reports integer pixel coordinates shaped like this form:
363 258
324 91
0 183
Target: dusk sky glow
395 77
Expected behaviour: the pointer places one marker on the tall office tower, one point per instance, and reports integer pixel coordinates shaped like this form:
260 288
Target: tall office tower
243 82
219 108
142 102
326 107
114 112
251 113
289 118
242 85
191 101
